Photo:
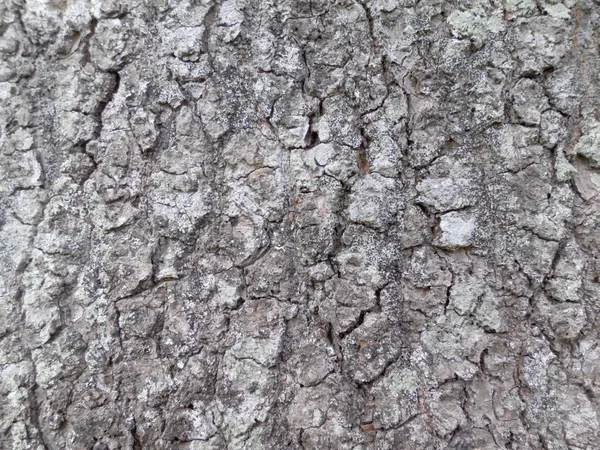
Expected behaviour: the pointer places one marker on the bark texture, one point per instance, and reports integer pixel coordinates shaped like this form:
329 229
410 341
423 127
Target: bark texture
299 224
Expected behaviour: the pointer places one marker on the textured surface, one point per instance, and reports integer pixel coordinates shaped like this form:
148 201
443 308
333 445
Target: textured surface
260 224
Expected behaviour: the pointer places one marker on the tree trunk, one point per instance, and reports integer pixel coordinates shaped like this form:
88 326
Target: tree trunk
299 224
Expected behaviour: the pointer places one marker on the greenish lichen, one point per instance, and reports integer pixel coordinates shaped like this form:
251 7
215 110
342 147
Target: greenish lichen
564 170
465 24
589 143
519 7
557 10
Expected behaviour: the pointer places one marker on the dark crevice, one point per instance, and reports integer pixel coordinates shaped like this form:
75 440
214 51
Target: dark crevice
137 443
85 42
359 321
312 137
362 157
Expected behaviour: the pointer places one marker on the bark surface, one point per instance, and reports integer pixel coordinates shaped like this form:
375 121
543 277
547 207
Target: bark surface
299 224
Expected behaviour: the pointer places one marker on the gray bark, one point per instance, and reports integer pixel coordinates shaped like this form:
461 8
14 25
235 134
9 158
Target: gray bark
299 224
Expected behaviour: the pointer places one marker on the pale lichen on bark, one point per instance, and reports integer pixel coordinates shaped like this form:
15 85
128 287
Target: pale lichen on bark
346 224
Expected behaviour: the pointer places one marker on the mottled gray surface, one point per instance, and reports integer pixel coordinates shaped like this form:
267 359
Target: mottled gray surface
299 224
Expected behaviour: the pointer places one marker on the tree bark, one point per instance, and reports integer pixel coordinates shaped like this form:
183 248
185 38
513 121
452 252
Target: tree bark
299 224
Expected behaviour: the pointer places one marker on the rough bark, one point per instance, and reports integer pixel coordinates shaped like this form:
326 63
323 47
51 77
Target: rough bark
299 224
